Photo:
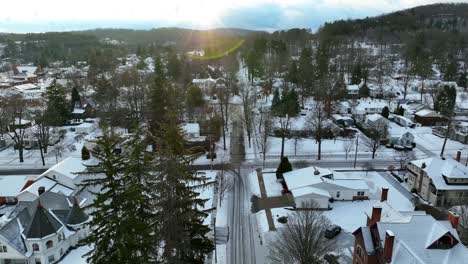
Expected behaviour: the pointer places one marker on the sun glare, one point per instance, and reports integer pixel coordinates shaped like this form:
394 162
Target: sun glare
203 13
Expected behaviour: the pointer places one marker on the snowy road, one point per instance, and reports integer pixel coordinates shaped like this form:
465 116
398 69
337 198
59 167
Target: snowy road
242 243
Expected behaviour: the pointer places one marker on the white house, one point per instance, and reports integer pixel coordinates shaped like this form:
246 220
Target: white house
322 185
66 172
42 231
376 121
405 139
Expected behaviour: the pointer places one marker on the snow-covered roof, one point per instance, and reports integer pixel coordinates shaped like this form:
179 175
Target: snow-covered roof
353 87
191 128
68 167
29 69
374 117
11 186
306 190
78 111
371 103
355 184
413 238
436 168
305 177
425 112
48 184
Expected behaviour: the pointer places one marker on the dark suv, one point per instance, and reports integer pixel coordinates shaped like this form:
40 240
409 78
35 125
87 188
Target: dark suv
332 231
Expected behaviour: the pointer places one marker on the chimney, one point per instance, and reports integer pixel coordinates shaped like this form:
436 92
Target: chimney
453 218
384 195
376 214
41 190
388 246
458 158
423 165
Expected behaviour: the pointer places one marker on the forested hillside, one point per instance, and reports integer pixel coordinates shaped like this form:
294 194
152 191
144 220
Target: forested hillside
438 20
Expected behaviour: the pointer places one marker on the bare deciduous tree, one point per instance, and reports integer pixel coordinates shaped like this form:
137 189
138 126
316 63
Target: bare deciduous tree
302 239
248 100
374 137
16 124
316 123
58 150
225 182
285 123
264 129
42 132
348 146
404 157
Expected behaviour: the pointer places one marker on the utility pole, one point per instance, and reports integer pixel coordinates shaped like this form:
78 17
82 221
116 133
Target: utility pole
355 155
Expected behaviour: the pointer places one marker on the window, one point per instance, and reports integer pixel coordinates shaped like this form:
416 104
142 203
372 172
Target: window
51 258
360 193
359 251
3 249
10 200
35 247
338 194
38 261
49 244
60 237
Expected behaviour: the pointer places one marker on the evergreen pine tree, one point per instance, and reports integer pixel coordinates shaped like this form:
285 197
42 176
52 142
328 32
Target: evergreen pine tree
385 112
57 105
275 101
123 222
283 167
364 91
75 96
85 155
179 217
356 74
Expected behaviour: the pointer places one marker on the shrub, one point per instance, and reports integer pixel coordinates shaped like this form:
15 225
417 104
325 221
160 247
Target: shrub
85 155
282 219
283 167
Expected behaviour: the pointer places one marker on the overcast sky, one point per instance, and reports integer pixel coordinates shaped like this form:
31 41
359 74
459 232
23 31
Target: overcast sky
62 15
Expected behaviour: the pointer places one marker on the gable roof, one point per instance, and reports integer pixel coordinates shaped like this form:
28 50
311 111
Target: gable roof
412 239
436 168
305 176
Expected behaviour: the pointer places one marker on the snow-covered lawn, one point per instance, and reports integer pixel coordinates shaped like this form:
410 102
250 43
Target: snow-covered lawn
434 144
76 256
273 188
276 213
253 182
70 146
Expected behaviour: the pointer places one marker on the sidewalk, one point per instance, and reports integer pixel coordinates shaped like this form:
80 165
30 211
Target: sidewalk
271 224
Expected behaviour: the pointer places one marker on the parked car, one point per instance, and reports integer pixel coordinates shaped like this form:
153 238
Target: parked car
332 231
397 177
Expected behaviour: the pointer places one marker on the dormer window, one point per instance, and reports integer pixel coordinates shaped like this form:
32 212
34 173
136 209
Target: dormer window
35 247
447 241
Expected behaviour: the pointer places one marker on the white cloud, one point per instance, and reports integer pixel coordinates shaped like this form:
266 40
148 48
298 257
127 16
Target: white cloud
177 12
